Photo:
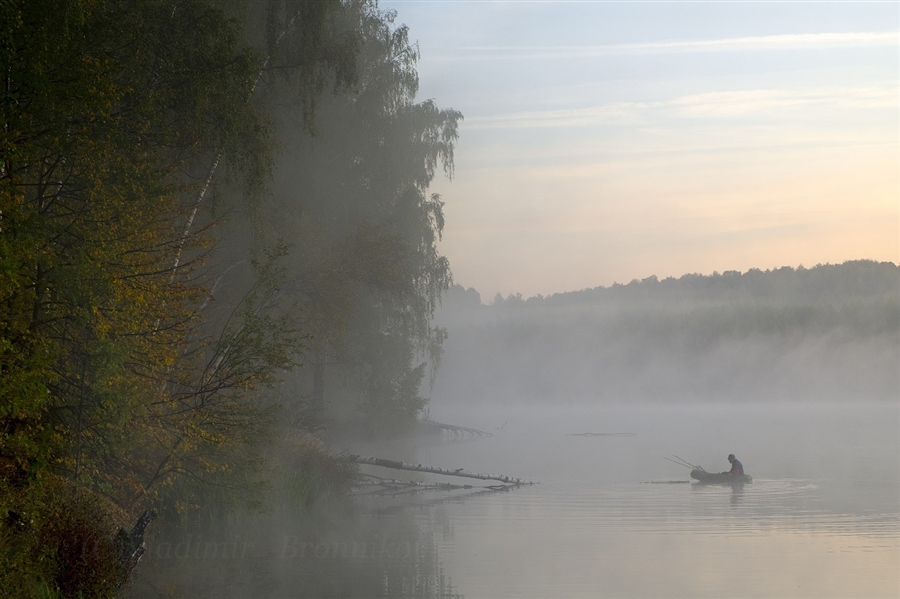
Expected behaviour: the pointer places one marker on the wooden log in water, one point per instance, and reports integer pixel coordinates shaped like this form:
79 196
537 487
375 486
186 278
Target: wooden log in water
432 470
452 430
602 434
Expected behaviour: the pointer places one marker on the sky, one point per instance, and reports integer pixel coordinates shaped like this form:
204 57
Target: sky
609 141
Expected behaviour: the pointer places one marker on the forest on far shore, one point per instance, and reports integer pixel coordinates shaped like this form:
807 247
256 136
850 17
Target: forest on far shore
827 333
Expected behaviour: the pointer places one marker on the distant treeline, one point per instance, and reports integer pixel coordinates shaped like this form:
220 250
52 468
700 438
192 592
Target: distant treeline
830 332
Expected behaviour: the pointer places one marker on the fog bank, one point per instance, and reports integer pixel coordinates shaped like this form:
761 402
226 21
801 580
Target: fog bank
827 333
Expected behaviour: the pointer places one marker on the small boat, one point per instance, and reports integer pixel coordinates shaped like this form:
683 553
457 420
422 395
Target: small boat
719 478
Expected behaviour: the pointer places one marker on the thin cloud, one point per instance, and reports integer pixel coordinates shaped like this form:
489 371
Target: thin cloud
717 104
801 41
613 113
743 102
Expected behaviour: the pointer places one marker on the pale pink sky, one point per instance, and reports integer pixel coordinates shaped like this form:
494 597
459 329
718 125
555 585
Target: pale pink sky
610 141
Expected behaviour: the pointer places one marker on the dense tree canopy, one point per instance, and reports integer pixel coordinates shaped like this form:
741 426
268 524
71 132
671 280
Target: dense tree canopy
152 276
351 210
102 116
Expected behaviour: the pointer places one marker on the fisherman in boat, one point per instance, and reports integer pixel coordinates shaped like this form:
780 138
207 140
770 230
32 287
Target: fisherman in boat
737 469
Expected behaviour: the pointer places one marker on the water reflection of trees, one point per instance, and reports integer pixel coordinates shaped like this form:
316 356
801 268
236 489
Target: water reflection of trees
346 554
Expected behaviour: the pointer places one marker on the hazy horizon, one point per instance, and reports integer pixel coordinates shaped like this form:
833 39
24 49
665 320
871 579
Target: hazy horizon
488 300
827 333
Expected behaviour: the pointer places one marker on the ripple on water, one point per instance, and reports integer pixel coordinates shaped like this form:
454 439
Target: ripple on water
790 504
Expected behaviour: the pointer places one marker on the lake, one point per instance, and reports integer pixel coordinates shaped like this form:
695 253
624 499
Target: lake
609 516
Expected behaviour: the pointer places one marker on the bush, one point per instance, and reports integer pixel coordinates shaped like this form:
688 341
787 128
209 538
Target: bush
309 474
58 539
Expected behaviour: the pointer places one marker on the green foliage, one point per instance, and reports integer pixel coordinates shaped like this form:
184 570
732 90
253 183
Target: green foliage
113 114
103 113
392 395
140 320
58 540
308 475
823 283
353 200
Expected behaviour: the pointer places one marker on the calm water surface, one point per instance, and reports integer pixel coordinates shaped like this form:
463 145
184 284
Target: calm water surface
612 518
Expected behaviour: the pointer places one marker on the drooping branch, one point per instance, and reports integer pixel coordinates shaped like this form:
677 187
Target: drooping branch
433 470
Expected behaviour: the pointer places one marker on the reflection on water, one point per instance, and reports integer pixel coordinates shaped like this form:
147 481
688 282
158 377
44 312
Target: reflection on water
267 556
820 518
580 541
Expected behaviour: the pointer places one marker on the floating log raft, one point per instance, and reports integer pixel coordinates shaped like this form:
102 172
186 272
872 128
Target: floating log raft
432 470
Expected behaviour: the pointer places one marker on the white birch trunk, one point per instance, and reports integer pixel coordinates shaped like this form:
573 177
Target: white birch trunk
215 165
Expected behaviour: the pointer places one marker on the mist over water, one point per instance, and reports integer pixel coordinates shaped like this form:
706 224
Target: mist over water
612 517
819 519
226 281
587 395
609 517
828 333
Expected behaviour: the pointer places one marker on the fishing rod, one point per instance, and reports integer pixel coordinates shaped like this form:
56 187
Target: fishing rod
679 463
685 463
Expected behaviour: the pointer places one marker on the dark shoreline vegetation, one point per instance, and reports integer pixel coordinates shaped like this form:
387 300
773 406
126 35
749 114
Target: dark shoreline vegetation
218 251
216 240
